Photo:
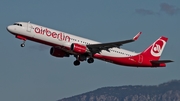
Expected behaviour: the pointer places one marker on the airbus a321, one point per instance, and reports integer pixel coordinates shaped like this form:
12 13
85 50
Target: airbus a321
64 45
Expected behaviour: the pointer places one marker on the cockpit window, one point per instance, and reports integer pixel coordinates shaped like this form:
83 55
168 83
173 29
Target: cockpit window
17 24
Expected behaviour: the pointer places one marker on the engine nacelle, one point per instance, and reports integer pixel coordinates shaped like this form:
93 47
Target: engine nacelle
58 52
80 49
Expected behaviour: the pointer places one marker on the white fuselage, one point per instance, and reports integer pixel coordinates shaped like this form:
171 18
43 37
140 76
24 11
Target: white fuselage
52 36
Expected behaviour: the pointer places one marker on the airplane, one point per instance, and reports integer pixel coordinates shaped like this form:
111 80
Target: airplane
65 44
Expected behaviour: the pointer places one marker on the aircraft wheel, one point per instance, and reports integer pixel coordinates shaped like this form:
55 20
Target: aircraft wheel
90 60
22 45
76 63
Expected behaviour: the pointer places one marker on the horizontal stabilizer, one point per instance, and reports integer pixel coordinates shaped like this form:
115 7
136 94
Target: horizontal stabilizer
161 61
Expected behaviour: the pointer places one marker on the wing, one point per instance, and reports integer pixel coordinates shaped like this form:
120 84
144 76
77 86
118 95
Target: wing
96 48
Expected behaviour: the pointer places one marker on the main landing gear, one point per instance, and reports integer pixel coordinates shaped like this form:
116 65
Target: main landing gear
90 60
77 62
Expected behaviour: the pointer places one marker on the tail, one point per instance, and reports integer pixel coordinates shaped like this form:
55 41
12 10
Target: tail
154 51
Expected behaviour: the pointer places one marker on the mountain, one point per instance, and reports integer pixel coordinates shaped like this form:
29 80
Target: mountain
169 91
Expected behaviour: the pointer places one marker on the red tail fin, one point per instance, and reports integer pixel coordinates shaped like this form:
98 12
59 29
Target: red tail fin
154 51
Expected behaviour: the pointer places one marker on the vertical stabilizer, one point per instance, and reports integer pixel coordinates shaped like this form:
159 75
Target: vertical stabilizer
154 51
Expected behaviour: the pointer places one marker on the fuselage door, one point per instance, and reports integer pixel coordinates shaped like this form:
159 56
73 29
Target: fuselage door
29 27
140 59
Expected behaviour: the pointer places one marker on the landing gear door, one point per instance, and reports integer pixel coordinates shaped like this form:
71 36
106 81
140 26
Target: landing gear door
29 27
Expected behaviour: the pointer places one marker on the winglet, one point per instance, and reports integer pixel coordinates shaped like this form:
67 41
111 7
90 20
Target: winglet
137 36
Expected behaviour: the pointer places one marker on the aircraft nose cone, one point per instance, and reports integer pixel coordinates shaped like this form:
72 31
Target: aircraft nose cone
9 28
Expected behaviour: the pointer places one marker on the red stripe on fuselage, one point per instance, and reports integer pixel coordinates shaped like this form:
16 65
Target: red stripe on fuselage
128 61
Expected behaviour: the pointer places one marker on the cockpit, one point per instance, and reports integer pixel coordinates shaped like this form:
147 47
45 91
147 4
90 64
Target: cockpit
18 24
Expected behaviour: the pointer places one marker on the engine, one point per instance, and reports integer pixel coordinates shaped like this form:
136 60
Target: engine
80 49
58 52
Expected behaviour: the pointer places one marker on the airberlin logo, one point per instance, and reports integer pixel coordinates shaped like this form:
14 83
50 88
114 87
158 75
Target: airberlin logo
60 36
158 47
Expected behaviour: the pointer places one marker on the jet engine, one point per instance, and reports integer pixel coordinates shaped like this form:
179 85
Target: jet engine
58 52
78 48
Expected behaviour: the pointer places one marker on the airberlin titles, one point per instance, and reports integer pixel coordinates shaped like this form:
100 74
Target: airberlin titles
44 31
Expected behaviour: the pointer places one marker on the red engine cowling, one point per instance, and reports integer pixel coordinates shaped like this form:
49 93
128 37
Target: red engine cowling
58 52
77 48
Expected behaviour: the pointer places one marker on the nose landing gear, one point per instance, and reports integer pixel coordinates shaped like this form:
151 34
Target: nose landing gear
23 44
21 38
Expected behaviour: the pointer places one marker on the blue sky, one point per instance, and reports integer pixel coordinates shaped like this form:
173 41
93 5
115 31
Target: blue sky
32 74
